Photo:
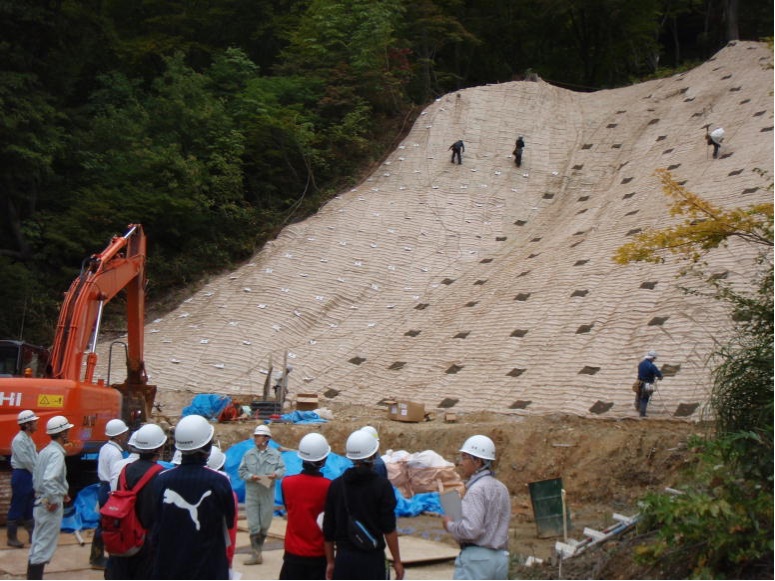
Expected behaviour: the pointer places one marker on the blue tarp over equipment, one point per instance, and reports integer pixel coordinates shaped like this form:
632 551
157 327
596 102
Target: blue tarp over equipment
208 405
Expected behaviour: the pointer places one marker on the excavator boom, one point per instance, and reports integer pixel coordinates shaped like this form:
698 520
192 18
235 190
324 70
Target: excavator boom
67 386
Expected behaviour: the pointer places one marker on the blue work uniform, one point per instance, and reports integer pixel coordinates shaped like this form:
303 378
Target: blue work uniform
194 509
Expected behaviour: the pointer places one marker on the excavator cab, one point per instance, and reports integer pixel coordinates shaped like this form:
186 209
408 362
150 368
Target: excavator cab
20 359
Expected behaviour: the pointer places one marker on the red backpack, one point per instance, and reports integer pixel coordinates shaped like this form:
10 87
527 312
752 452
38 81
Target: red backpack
122 532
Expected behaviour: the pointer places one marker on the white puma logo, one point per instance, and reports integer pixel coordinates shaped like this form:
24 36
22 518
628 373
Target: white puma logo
172 497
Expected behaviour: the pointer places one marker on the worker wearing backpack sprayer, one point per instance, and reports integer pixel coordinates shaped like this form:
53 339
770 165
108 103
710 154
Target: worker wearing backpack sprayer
130 557
49 479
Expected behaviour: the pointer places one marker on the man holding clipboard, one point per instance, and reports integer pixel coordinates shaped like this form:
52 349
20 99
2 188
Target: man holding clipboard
482 524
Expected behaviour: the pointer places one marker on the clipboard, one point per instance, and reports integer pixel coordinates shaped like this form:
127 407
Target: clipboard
452 504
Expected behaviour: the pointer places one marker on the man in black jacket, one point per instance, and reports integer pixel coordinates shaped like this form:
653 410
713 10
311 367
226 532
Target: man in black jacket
194 510
360 495
457 149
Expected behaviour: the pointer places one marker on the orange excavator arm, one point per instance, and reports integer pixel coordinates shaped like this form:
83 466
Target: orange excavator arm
121 266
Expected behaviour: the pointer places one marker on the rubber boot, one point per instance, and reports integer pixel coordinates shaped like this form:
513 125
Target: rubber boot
13 541
97 558
29 526
259 556
255 550
35 571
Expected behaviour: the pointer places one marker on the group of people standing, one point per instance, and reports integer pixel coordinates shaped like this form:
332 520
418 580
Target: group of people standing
337 529
459 147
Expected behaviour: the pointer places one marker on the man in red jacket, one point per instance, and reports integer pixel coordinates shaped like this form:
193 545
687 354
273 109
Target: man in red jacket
305 498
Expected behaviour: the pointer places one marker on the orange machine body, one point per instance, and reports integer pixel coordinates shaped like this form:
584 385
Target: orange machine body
65 384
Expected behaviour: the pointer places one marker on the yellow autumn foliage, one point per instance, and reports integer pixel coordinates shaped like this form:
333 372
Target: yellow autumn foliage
705 227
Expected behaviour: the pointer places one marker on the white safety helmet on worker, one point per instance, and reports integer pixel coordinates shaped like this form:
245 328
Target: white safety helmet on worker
192 433
361 445
216 459
57 424
115 428
262 430
26 416
132 441
479 446
313 448
148 437
651 355
371 430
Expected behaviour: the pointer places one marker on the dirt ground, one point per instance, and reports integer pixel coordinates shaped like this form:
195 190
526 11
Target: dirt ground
605 465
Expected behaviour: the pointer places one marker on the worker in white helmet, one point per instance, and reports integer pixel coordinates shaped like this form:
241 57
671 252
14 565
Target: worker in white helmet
379 464
23 457
648 374
260 468
194 505
146 445
305 498
49 479
360 519
111 453
483 529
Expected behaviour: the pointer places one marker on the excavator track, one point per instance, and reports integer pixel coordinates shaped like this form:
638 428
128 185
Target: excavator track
5 490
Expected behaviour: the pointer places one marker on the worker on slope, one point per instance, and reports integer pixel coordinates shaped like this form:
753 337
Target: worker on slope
457 149
49 479
23 457
648 374
715 138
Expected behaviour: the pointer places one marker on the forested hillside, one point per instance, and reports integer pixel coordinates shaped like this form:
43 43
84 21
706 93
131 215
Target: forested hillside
215 124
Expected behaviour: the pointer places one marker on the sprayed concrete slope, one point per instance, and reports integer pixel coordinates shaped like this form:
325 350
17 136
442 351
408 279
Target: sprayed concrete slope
487 287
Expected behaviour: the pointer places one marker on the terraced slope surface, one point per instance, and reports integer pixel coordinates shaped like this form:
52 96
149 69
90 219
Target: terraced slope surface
483 286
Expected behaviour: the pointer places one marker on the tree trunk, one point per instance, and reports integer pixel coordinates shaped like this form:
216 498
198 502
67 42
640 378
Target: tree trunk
733 31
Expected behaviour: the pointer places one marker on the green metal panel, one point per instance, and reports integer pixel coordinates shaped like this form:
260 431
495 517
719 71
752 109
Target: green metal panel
546 497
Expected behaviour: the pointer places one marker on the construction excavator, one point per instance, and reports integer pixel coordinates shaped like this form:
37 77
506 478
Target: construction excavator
61 381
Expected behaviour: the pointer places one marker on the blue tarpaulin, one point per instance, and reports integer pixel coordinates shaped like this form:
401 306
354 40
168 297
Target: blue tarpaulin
84 513
298 417
334 467
208 405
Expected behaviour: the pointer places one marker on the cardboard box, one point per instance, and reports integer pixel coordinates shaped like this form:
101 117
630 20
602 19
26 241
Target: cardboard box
307 402
406 411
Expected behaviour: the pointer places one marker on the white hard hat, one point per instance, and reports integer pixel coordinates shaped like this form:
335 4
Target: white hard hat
479 446
115 428
192 433
371 430
177 457
57 424
651 355
313 447
132 440
149 437
361 445
262 430
217 458
26 416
